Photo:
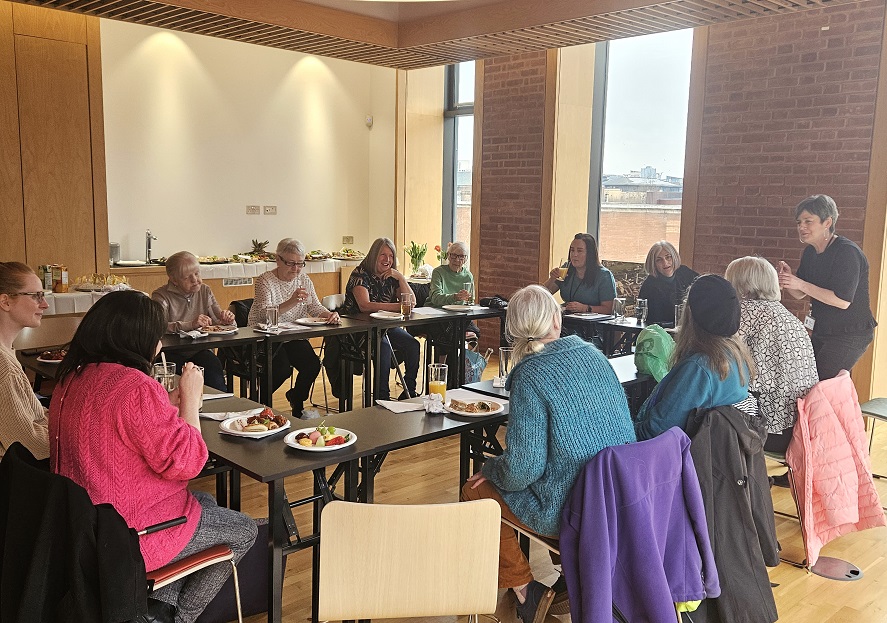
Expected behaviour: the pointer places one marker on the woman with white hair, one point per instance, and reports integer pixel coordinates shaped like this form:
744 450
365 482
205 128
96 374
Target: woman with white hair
666 283
566 405
448 288
778 344
293 293
190 304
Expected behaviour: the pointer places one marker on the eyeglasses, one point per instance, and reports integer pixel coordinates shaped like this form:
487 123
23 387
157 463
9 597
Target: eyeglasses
38 297
291 264
457 256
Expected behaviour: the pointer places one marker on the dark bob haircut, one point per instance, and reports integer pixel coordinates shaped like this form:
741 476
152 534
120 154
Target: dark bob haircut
122 327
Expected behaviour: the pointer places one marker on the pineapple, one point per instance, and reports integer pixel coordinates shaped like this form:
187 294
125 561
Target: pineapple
258 248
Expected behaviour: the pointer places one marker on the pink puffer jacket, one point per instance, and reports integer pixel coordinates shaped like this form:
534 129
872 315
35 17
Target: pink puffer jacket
829 455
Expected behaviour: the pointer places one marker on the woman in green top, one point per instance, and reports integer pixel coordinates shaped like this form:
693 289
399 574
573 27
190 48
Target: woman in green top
448 287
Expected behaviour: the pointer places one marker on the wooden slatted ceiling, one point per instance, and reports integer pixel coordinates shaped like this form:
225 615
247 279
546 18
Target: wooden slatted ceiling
629 22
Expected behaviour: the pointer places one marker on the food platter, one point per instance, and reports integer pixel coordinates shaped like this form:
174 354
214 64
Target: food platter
386 315
215 329
290 440
495 407
233 427
312 322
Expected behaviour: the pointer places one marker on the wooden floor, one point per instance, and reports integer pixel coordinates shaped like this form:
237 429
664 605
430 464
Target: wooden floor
429 474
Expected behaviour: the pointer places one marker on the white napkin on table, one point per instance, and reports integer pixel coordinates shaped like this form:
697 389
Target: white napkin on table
192 334
227 415
401 407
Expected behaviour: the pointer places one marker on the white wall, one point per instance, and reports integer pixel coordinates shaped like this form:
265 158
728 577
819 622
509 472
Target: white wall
198 128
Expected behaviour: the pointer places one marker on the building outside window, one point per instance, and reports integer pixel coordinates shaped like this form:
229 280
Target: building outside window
458 152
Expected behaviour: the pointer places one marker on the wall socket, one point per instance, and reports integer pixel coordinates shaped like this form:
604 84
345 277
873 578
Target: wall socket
253 210
270 210
347 239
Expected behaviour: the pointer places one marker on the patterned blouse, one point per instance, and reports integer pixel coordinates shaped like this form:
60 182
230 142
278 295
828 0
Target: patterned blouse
783 354
270 290
381 290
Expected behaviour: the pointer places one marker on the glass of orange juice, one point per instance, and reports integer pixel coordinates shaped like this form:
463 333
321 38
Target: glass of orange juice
437 380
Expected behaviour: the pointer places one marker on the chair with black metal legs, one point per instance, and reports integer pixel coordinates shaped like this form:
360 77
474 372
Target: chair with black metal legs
332 303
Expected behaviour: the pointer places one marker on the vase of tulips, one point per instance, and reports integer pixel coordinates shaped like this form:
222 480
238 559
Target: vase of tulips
416 253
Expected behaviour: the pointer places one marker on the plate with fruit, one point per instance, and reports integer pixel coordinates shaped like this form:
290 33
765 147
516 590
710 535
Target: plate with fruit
255 426
320 439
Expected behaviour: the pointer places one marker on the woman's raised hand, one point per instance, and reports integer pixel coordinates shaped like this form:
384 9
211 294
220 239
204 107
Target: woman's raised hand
555 273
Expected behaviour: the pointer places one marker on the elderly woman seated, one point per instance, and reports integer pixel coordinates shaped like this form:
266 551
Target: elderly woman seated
189 304
779 345
566 406
22 417
448 287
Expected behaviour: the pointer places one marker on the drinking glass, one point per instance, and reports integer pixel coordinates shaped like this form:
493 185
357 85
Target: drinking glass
619 308
165 374
505 358
437 380
200 404
678 312
563 267
271 316
468 287
406 304
640 311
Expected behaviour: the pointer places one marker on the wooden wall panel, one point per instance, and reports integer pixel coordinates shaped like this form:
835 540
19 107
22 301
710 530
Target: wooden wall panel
11 214
46 24
53 84
97 142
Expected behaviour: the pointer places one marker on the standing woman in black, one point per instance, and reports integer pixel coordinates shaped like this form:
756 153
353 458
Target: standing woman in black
834 273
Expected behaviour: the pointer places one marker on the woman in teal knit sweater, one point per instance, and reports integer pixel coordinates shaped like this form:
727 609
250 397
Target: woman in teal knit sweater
566 405
712 365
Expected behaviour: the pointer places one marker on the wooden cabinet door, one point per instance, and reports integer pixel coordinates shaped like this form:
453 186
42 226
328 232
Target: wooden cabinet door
53 97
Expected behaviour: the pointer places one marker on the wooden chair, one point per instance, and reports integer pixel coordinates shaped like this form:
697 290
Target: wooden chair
383 561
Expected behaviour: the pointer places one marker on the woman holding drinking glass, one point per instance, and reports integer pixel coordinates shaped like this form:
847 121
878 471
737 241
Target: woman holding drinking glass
292 292
117 433
452 284
587 286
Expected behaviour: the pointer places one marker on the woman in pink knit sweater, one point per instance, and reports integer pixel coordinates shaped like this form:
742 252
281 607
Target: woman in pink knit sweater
116 432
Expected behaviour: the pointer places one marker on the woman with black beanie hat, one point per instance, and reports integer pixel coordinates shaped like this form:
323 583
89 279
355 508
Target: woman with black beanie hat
711 366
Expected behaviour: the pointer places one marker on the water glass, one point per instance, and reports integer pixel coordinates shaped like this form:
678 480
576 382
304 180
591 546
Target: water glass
468 287
271 316
406 304
640 311
437 380
506 357
165 374
678 312
619 308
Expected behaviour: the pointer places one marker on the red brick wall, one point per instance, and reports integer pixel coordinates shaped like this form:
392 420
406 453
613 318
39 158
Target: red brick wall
788 112
511 176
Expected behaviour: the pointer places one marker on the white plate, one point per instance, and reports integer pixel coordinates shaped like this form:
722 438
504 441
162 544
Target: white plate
131 263
229 427
386 315
462 308
41 360
290 440
499 408
311 322
225 331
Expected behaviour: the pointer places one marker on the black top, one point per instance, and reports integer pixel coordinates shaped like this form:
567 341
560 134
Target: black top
843 269
663 294
380 290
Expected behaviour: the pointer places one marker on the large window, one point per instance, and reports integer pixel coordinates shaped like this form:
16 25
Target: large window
458 152
645 126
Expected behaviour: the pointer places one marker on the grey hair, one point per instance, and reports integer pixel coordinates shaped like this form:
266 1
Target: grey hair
650 262
369 262
291 245
822 206
754 278
531 316
458 245
177 262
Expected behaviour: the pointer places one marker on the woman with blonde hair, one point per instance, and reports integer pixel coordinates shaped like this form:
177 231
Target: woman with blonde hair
779 346
566 405
666 283
711 365
22 417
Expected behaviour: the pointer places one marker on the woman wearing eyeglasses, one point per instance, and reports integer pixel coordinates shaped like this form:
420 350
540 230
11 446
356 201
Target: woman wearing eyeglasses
293 293
22 417
448 287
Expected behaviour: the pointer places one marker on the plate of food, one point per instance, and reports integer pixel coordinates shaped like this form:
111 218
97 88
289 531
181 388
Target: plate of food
387 315
213 259
215 329
312 321
317 254
473 408
348 254
320 439
255 426
52 356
